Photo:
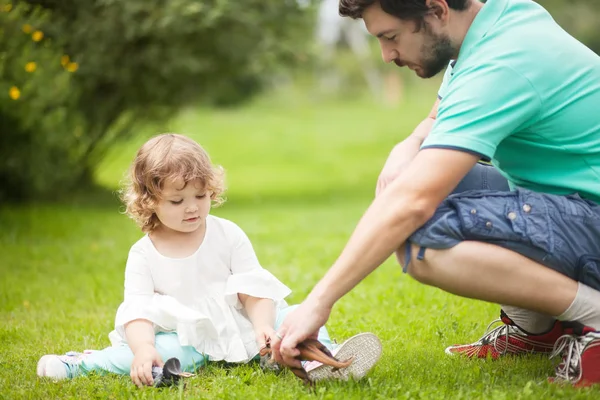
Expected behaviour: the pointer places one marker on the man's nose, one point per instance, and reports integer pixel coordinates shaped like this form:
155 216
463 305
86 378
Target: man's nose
388 55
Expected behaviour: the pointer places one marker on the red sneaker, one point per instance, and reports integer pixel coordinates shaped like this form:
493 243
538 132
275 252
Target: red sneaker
510 339
580 364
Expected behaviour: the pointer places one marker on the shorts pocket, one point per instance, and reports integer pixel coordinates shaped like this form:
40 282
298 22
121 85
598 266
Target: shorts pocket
507 217
484 216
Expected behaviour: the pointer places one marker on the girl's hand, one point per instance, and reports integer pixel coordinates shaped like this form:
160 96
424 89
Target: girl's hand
264 334
141 368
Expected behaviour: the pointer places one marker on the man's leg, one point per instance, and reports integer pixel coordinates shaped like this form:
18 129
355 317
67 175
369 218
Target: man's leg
507 277
528 250
484 176
530 332
529 321
502 276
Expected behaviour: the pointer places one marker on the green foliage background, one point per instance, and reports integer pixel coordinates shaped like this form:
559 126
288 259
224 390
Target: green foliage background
137 61
104 69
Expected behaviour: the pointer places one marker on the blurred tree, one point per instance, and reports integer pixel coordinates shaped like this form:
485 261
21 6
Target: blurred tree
123 62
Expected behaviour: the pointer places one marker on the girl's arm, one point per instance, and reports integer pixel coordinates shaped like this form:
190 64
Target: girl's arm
247 274
262 315
140 338
139 332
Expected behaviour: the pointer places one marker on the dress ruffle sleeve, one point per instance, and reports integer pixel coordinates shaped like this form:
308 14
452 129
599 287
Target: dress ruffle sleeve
256 283
167 314
248 276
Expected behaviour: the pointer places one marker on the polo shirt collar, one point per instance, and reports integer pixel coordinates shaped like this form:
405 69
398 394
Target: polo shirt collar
485 19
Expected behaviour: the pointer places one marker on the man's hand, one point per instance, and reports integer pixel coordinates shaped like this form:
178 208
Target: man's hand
302 323
395 163
141 367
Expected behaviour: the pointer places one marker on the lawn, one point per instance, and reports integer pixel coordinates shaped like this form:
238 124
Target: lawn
300 175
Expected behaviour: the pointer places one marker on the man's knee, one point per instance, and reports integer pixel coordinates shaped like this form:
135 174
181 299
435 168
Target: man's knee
418 267
400 255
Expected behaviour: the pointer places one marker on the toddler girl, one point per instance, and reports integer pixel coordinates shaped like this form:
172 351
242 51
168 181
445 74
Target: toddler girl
194 288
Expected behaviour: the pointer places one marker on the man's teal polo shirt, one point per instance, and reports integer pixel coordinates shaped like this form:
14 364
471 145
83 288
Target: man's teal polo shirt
525 94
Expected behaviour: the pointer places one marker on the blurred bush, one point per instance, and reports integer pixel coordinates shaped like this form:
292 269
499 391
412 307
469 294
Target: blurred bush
40 139
102 67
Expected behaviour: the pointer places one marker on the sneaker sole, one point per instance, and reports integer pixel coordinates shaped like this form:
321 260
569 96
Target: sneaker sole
365 348
49 366
513 352
41 365
449 351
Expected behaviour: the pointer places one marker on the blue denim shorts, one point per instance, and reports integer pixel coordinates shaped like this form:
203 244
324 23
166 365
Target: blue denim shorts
560 232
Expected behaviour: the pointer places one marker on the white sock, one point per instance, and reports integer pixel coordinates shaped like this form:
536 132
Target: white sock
530 321
585 308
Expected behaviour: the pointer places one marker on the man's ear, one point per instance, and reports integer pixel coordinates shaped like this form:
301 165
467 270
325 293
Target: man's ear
438 9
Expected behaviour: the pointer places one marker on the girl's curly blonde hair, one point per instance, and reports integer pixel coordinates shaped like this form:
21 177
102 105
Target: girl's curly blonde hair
167 157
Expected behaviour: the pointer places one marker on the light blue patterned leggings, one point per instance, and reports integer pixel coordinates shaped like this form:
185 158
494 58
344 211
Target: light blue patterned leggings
118 359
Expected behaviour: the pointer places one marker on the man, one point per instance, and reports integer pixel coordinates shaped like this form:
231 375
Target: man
523 94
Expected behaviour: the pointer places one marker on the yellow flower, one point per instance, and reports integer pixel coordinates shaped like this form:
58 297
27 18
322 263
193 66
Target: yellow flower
30 66
72 66
37 36
14 93
27 28
64 60
7 7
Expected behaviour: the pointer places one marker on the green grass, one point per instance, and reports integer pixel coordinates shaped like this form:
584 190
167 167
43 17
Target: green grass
300 176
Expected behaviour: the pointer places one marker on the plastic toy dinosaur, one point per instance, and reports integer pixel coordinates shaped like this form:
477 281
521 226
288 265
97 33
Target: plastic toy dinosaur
310 350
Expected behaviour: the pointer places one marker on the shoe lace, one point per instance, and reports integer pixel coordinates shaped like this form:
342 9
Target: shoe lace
492 336
570 348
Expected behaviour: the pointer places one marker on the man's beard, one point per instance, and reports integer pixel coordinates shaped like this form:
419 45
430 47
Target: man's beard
437 52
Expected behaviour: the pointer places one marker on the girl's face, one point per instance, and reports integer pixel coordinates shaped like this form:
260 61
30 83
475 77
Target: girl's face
183 207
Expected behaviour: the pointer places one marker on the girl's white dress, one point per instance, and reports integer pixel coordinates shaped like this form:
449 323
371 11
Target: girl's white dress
196 296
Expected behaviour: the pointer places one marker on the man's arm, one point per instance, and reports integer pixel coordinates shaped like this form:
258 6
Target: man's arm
405 206
408 202
404 152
